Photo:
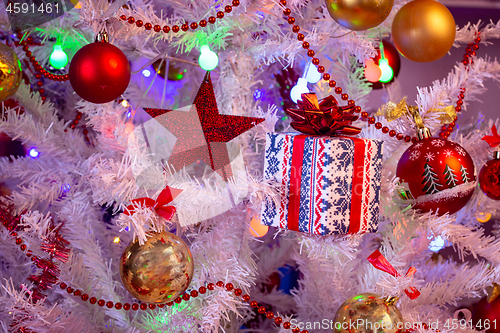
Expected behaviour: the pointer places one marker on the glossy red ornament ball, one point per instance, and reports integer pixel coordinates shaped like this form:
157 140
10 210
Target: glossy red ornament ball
99 72
437 175
489 179
486 316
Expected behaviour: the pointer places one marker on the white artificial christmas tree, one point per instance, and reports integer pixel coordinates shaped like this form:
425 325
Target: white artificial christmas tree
68 203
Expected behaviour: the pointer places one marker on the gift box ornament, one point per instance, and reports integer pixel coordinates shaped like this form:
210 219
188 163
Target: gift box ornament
330 184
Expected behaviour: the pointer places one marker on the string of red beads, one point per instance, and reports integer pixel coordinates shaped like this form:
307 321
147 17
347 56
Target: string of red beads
345 97
185 297
184 27
75 123
41 71
470 51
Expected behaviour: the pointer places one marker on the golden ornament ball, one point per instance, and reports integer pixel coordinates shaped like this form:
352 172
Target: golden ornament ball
158 271
368 313
359 15
10 72
423 30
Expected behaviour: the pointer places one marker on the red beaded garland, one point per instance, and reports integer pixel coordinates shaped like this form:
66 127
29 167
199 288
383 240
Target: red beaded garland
185 297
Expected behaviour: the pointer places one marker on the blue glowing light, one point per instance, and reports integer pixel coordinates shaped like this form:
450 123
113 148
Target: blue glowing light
146 73
258 94
436 244
129 114
34 153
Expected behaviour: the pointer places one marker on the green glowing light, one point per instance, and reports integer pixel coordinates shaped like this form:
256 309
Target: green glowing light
208 59
58 59
387 72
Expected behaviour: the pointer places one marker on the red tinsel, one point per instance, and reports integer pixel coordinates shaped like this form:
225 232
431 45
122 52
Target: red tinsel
54 244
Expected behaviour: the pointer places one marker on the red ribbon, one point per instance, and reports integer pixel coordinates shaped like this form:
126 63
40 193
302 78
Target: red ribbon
323 117
296 178
357 185
381 263
492 140
159 205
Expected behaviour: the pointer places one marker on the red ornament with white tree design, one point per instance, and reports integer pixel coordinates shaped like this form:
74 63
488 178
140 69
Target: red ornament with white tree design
437 175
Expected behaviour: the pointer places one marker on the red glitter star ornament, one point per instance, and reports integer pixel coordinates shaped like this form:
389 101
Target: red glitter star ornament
202 132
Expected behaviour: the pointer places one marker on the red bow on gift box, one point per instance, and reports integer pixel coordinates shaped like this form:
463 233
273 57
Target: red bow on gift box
492 140
159 205
325 117
380 262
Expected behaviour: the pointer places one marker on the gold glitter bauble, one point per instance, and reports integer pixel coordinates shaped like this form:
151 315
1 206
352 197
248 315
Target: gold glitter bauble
10 72
158 271
368 313
359 15
423 30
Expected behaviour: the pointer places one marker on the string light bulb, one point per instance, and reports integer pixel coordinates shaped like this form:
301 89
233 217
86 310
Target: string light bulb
58 58
256 228
34 153
208 59
299 89
436 244
116 240
383 64
312 74
372 71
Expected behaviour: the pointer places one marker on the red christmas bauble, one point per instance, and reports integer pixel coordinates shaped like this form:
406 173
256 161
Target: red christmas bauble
99 72
486 316
436 174
489 179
